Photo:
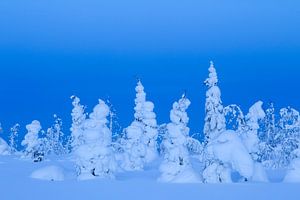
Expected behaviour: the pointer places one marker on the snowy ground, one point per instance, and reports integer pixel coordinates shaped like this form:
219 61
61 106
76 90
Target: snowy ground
15 183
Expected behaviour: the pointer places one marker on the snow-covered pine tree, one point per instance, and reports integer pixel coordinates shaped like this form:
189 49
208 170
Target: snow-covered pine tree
4 147
214 114
235 119
289 129
140 146
32 142
94 156
176 166
134 146
269 139
150 132
54 138
78 118
13 137
270 125
250 136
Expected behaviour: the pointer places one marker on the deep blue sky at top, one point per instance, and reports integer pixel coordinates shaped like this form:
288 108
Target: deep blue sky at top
51 49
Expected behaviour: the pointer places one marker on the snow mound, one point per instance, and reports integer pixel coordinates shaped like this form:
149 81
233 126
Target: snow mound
173 173
259 174
293 175
229 149
49 173
4 148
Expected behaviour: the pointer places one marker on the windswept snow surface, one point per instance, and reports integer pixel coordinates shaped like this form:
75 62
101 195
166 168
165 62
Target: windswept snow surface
49 173
15 183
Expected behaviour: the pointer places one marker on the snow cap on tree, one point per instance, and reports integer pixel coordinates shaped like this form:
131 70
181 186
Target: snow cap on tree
139 101
212 79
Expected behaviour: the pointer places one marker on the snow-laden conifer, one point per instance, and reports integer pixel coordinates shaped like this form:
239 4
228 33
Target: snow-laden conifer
94 156
78 118
32 142
176 166
140 146
214 114
14 133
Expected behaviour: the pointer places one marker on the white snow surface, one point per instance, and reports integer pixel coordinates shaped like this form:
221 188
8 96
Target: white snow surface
49 173
15 183
293 175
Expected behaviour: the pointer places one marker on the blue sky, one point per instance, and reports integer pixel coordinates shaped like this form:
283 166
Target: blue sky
52 49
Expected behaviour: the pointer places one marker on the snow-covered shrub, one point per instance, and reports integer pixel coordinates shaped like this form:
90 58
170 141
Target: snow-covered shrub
14 137
226 154
94 157
194 146
176 166
32 142
217 172
214 115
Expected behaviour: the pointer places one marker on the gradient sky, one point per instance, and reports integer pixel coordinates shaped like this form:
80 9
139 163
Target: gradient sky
52 49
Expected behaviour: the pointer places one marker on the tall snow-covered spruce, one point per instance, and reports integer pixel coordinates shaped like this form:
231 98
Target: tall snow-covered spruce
140 146
94 156
54 138
78 118
176 166
214 118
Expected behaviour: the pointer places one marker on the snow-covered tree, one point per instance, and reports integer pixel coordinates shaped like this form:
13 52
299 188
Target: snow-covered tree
4 148
150 132
289 138
176 166
250 136
293 173
13 137
235 119
32 142
94 156
140 146
54 138
214 114
78 118
270 125
224 155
